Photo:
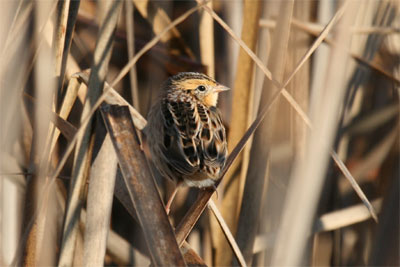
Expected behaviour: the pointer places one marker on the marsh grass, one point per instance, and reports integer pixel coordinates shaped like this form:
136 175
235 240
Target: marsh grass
312 176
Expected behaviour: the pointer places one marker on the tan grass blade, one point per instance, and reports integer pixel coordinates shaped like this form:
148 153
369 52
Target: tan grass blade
142 188
64 127
59 37
68 26
227 233
66 107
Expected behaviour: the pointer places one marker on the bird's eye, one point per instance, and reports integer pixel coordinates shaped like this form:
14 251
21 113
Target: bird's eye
201 88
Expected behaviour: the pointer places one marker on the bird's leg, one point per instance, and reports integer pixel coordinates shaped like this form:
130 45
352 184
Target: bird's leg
172 197
215 190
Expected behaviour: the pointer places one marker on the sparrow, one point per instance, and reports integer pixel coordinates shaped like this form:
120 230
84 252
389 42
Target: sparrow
184 131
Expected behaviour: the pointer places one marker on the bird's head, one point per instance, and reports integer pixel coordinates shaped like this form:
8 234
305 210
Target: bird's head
204 88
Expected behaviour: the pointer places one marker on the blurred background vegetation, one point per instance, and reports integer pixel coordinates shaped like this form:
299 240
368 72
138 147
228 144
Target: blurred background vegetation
316 183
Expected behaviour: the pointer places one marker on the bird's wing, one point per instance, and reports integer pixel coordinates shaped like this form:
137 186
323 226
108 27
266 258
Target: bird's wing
180 131
212 136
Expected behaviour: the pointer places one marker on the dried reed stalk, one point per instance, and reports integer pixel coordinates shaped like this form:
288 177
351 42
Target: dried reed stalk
102 55
206 34
99 201
43 216
377 158
64 127
14 123
264 137
6 32
67 25
300 84
59 36
66 107
130 38
292 239
17 26
242 97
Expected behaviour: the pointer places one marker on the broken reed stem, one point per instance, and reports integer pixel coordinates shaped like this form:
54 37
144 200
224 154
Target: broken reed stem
141 186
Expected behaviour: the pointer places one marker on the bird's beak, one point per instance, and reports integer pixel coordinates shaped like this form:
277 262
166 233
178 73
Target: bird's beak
220 88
